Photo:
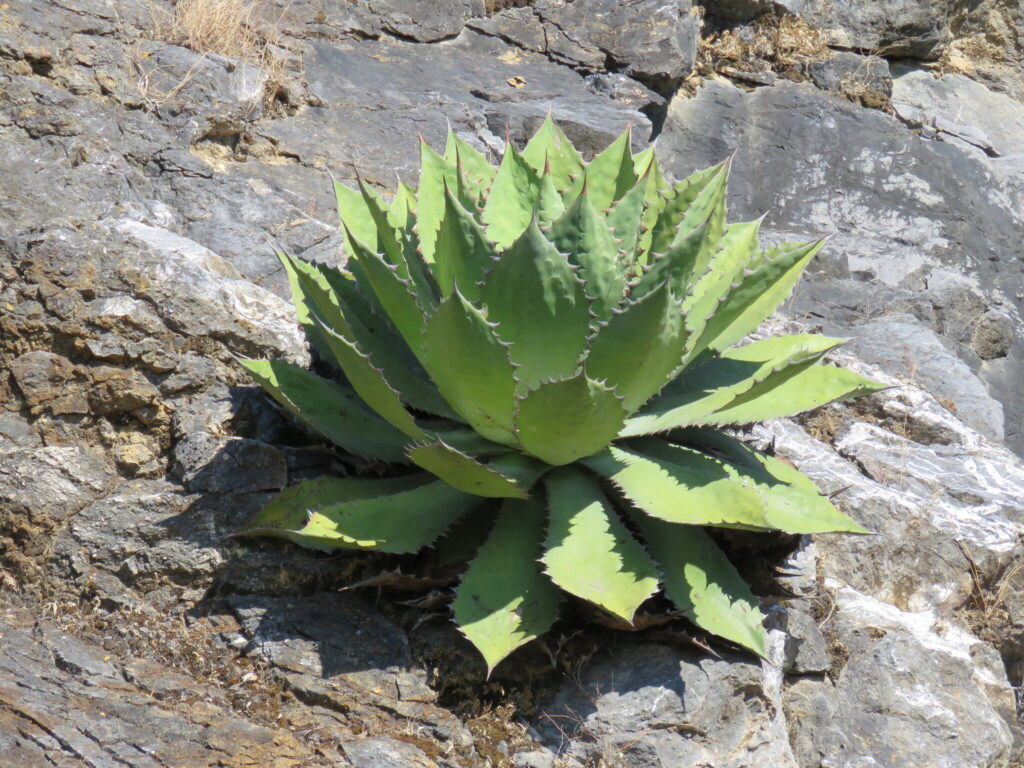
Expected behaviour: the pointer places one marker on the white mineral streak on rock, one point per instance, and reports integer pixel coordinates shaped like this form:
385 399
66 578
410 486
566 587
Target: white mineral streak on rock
202 275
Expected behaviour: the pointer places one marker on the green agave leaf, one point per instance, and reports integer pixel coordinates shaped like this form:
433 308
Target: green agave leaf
478 173
329 409
369 383
407 262
583 235
508 476
394 293
464 439
787 394
471 367
625 217
355 217
302 305
550 146
549 202
793 501
737 246
702 582
656 197
435 174
398 515
504 599
373 331
641 346
540 308
713 385
562 421
643 161
757 296
512 199
681 485
709 206
589 553
674 267
463 253
609 175
402 208
666 225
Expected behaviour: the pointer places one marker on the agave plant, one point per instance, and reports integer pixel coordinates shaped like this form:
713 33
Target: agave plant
544 351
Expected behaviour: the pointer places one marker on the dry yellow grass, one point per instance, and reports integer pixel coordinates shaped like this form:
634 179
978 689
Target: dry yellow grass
782 45
236 29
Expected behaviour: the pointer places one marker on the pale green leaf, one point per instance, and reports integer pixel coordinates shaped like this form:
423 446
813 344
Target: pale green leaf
329 409
714 384
589 553
702 582
369 383
471 367
793 501
509 476
463 253
504 599
582 234
562 421
512 199
550 146
398 515
681 485
757 296
639 349
540 308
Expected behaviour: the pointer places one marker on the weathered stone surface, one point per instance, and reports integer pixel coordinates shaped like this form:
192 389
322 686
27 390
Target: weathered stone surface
204 462
914 353
650 41
960 110
54 482
137 240
117 719
804 648
653 706
910 685
915 28
938 211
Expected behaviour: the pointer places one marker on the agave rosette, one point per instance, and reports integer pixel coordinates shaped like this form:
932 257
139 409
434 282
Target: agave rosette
545 350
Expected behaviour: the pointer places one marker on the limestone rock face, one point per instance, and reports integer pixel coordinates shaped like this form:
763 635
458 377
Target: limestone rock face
147 184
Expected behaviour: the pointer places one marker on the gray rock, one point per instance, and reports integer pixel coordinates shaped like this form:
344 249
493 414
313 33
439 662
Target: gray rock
898 225
912 28
535 758
384 753
960 110
116 721
53 482
804 647
652 706
199 294
649 41
917 355
897 488
625 90
204 462
209 90
910 685
337 651
426 22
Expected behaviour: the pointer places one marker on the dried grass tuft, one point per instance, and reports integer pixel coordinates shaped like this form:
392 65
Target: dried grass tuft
784 45
236 29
